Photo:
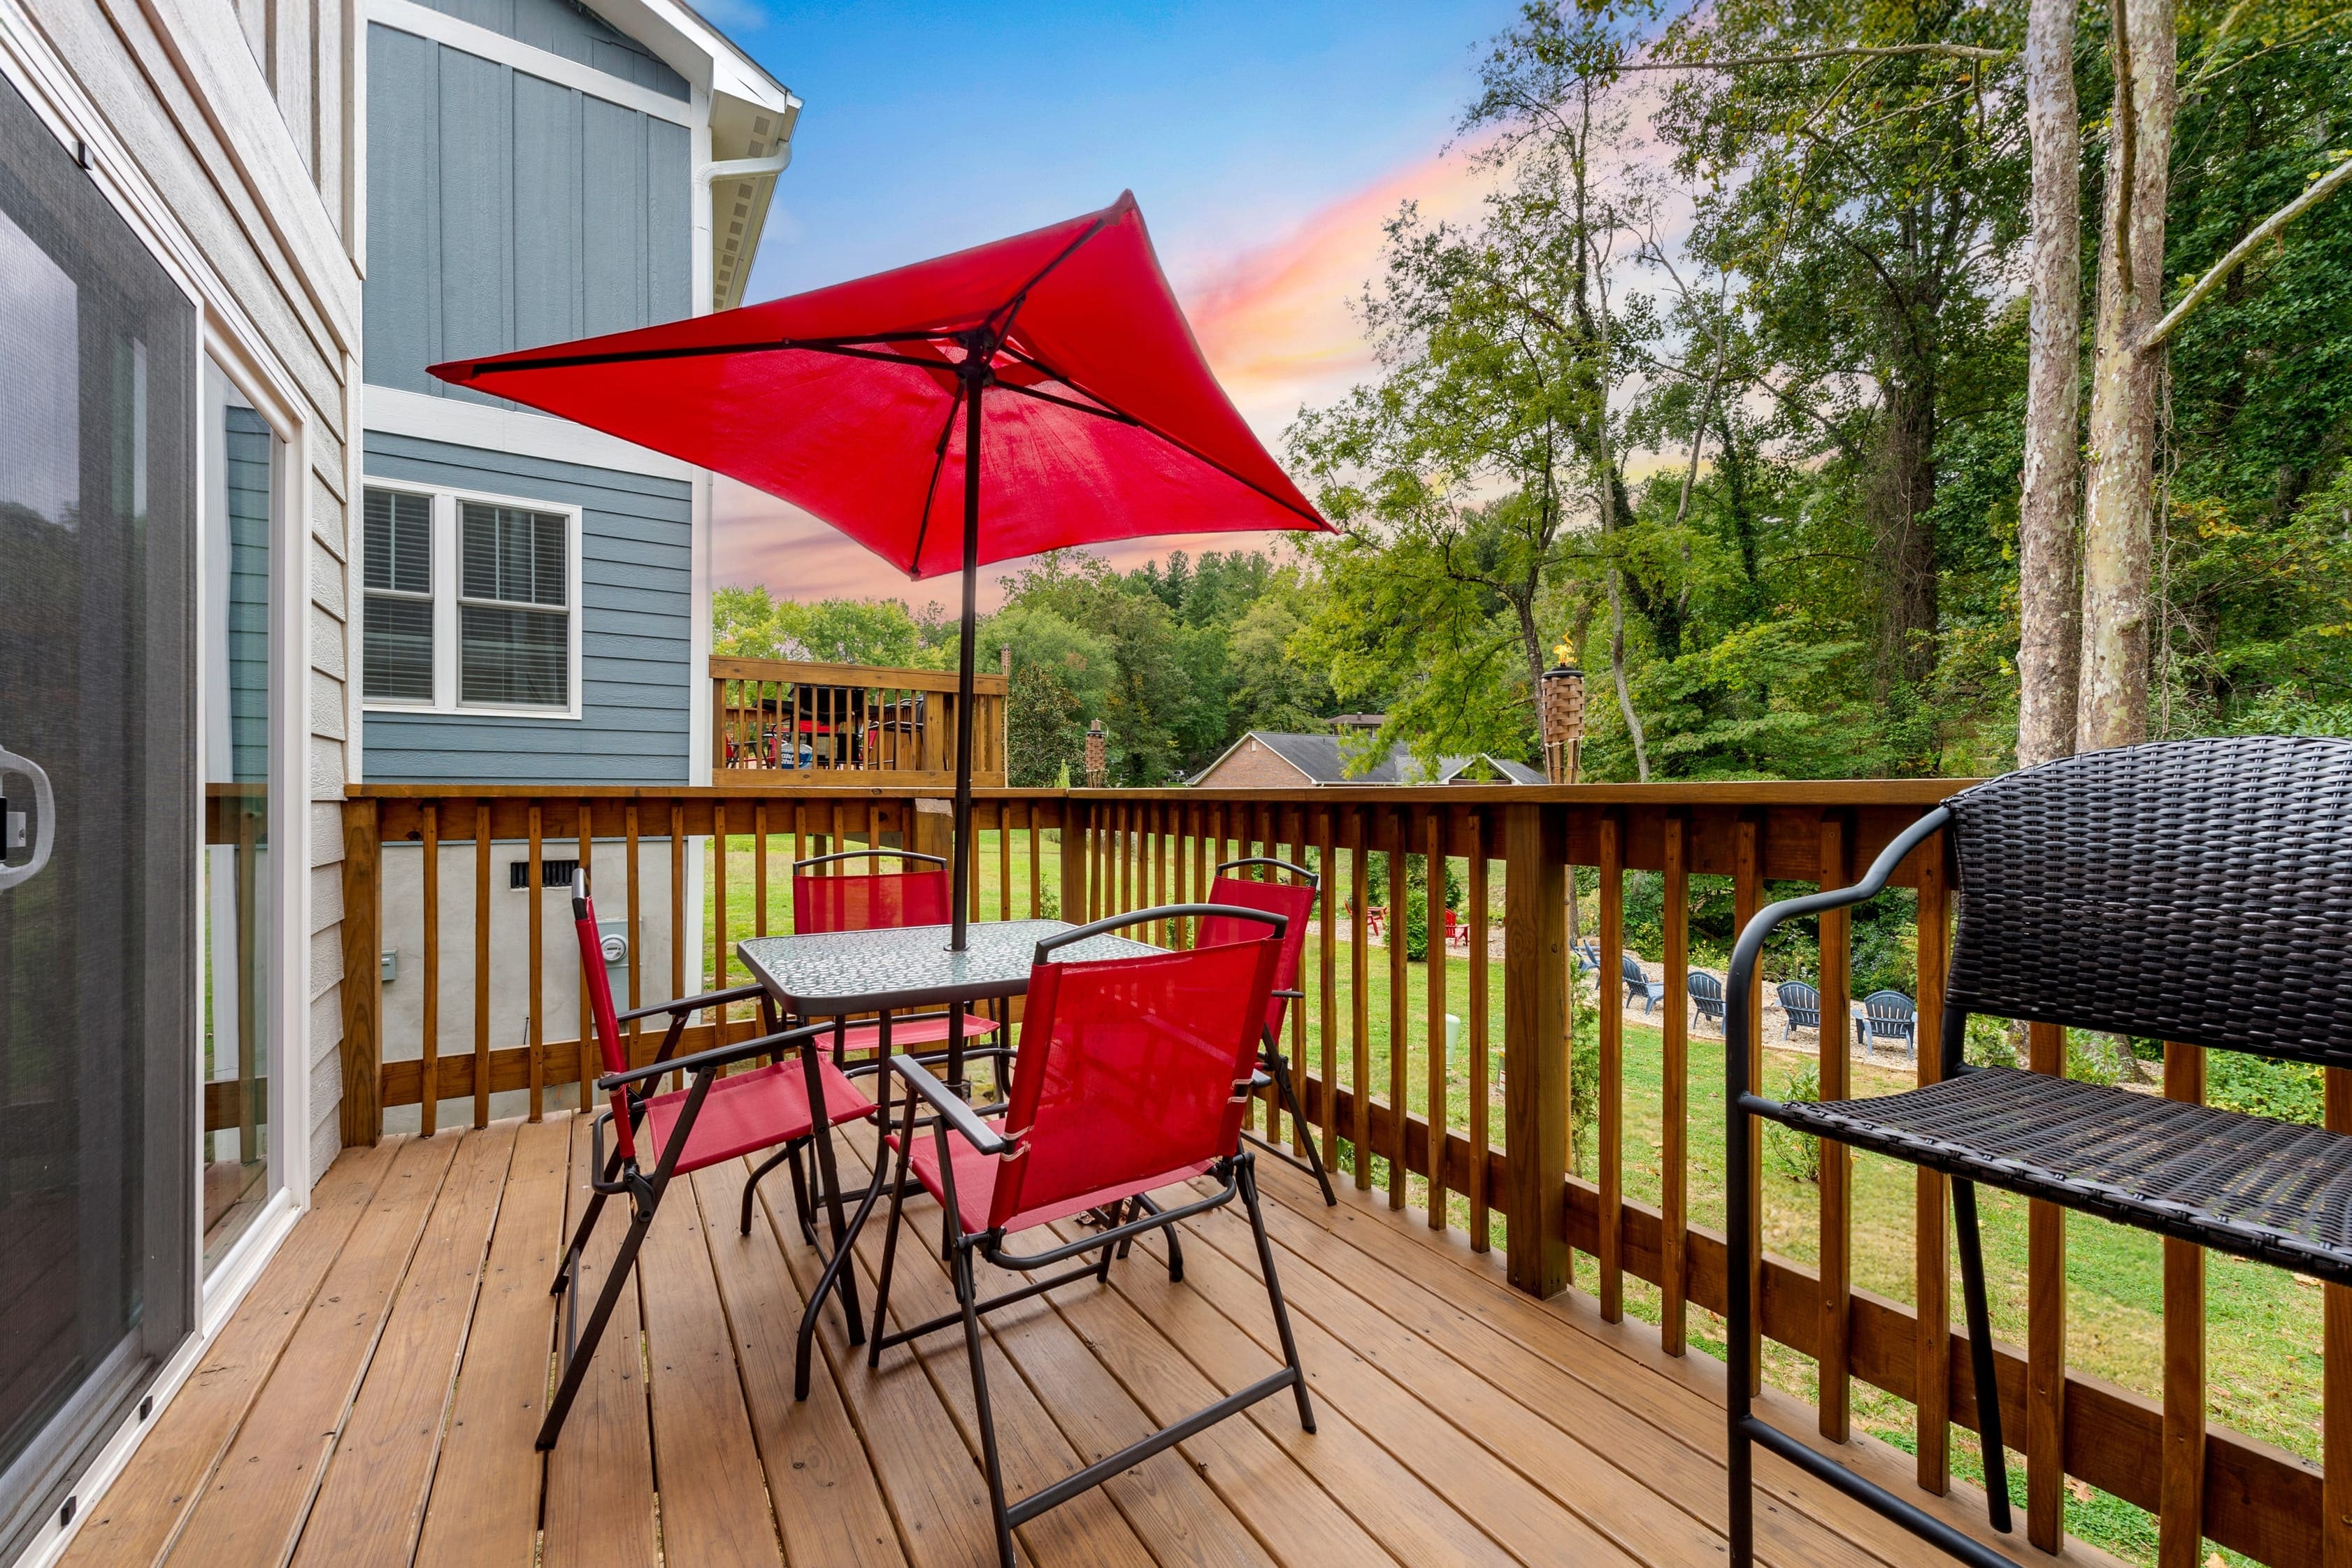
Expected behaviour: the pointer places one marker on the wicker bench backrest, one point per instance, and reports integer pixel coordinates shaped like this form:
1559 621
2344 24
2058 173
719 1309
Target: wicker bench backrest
2193 890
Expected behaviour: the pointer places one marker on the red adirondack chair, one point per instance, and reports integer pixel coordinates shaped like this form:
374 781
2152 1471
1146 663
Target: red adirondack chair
1132 1075
797 1098
1294 901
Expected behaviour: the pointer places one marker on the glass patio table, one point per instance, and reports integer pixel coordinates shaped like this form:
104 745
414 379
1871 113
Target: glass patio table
830 974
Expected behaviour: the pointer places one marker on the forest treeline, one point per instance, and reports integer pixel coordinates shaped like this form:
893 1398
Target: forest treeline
1828 378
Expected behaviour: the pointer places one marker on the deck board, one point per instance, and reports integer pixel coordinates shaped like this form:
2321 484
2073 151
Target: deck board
253 1512
372 1503
599 1511
134 1524
484 1506
393 1362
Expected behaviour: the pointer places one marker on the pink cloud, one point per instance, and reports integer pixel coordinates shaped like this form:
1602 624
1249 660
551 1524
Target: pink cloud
1276 324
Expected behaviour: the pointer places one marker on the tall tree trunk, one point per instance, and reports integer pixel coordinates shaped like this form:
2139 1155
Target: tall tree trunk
1903 493
2112 706
2049 591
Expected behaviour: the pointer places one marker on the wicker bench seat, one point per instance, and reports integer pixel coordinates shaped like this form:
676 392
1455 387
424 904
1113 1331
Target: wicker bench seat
2269 1190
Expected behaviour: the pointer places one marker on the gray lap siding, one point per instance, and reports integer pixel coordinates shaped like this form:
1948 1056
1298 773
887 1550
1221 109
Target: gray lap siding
636 604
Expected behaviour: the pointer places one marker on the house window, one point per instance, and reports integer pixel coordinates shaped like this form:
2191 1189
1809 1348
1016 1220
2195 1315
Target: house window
514 623
399 631
471 603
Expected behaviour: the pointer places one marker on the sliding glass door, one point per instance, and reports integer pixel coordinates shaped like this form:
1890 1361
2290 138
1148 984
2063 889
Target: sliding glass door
98 391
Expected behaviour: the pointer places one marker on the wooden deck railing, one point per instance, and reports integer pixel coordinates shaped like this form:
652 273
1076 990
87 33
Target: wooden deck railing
838 725
1387 1117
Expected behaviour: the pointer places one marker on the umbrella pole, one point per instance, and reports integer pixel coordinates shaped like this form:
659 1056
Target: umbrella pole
961 879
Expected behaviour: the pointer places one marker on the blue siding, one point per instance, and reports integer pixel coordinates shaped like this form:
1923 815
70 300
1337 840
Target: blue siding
574 31
506 211
636 602
249 442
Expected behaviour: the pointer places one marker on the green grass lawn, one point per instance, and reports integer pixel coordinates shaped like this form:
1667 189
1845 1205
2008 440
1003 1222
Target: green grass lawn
2264 1334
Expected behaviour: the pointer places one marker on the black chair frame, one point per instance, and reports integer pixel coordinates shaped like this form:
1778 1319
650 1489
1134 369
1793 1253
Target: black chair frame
2112 891
1272 1058
1234 1174
626 1177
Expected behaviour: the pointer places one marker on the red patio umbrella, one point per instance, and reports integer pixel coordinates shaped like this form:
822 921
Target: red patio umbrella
1057 359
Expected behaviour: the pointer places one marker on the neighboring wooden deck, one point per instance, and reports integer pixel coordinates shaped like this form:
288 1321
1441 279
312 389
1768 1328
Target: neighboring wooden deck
374 1400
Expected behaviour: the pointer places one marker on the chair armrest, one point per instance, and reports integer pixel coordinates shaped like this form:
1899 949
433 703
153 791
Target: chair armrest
951 1108
716 1057
1745 955
694 1004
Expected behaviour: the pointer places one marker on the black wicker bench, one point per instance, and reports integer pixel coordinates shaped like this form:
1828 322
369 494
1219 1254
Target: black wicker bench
2196 892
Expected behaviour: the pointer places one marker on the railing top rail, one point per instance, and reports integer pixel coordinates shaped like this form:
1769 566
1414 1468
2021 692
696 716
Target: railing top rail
1921 792
808 671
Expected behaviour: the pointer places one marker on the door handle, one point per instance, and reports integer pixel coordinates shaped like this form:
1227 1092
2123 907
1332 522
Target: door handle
45 804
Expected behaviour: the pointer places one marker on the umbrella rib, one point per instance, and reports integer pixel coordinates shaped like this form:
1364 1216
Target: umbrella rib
1011 306
1111 410
930 491
1114 416
848 346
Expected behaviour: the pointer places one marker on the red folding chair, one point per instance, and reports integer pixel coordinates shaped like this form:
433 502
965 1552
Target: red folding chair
789 1102
1132 1074
874 901
1294 901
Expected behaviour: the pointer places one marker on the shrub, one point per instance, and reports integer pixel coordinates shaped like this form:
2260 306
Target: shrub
1795 1155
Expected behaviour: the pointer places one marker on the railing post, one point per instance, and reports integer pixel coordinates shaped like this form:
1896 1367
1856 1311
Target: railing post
1074 861
363 1047
1535 1045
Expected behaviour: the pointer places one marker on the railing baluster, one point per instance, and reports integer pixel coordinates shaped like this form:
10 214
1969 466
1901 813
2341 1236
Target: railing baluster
1327 1018
481 963
1482 1090
1036 866
718 917
1004 860
1932 1353
637 931
676 905
1747 896
1836 1161
760 869
535 989
2180 1513
1400 977
1674 1187
1440 967
1610 1092
2045 1338
2336 1371
1299 1131
1359 1064
586 1032
429 1095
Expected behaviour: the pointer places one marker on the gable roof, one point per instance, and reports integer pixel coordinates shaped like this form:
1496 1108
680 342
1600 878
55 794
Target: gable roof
1323 759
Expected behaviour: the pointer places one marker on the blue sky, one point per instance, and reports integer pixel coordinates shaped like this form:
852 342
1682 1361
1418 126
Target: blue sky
931 127
1264 141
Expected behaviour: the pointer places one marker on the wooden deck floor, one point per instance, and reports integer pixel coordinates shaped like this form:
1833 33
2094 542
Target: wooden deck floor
374 1400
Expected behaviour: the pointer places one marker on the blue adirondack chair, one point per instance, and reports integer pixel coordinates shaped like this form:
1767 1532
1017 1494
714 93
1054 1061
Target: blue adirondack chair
1706 997
1641 987
1586 956
1801 1005
1889 1015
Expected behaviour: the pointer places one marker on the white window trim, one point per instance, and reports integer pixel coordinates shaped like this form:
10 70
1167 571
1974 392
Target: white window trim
446 583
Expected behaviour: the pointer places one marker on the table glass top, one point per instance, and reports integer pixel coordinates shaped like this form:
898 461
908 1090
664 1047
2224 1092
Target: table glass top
910 965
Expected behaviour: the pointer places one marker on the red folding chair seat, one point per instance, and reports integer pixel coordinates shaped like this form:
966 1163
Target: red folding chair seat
796 1100
1295 901
1132 1076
